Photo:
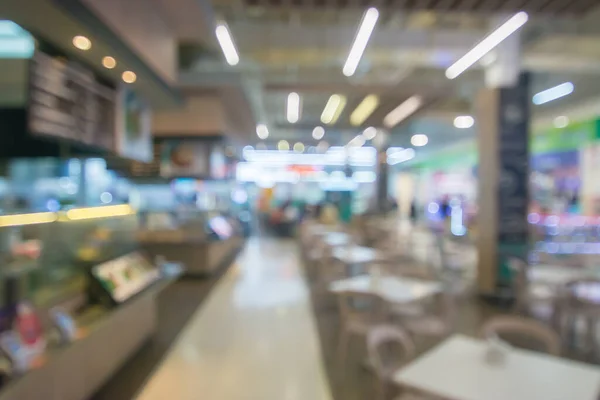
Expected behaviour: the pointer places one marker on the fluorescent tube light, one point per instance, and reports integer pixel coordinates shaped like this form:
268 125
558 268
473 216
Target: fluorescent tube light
360 42
293 107
402 112
370 133
227 45
333 109
464 121
553 93
487 44
364 109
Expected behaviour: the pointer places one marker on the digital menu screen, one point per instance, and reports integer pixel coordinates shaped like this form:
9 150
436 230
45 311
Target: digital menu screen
67 101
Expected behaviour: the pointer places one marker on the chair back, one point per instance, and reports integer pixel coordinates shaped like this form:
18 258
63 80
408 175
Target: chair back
381 337
358 306
581 296
519 331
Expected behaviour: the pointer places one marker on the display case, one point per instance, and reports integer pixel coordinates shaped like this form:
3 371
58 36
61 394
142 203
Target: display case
82 264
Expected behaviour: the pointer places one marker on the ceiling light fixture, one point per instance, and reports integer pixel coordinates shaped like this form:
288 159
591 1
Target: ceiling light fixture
299 147
561 121
360 42
109 62
357 141
262 131
364 109
129 77
283 145
227 45
464 121
318 133
553 93
487 44
293 107
403 111
334 107
82 43
419 140
370 133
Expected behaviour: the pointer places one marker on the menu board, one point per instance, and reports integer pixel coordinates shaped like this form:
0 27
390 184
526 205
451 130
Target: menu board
134 134
125 276
67 101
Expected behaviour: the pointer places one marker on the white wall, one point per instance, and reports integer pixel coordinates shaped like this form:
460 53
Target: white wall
141 25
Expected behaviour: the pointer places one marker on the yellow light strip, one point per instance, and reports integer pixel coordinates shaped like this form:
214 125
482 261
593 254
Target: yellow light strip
334 107
364 109
77 214
27 219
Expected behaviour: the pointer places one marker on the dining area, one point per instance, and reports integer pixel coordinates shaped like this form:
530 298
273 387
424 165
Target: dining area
399 317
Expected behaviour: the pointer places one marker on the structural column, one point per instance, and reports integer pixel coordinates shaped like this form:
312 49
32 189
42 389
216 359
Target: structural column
503 144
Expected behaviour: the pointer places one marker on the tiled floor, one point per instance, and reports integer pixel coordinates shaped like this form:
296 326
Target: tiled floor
254 338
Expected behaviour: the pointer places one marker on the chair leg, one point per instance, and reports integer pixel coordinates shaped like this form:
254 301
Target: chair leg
344 341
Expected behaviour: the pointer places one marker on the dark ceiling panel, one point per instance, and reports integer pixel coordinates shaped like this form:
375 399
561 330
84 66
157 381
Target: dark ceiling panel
569 7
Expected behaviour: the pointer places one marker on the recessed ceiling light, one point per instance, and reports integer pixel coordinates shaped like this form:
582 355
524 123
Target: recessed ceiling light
561 121
334 107
293 107
403 111
262 131
283 145
82 43
364 109
299 147
419 140
464 121
129 76
487 44
318 133
370 133
227 46
109 62
553 93
360 42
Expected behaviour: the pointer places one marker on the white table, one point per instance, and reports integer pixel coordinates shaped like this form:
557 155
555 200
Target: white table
456 369
334 239
353 255
555 275
393 289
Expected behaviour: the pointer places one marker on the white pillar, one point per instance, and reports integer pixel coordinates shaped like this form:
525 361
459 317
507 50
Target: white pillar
503 64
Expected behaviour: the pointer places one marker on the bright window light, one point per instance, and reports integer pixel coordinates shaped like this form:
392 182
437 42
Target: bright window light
561 121
403 111
364 110
360 42
262 131
553 93
293 107
227 45
399 155
334 107
318 133
370 133
487 44
464 121
419 140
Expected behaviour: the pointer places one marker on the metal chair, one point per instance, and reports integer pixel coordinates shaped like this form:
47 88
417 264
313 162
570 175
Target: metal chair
389 348
359 312
514 330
